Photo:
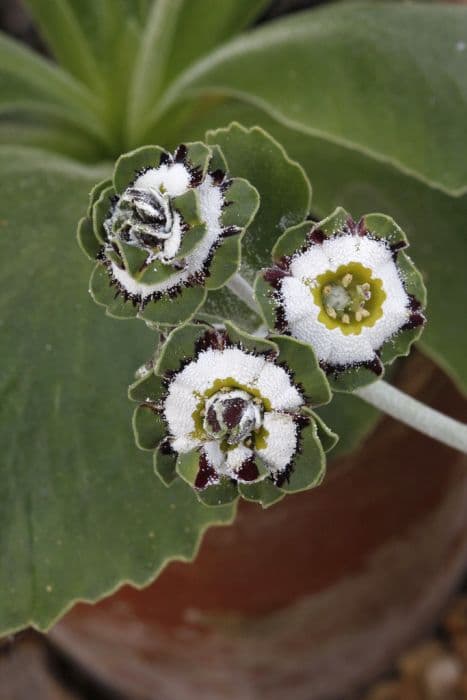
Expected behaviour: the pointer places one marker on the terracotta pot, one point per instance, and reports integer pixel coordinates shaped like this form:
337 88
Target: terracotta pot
307 600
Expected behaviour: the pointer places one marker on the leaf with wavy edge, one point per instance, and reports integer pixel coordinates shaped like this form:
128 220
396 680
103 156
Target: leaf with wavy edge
70 469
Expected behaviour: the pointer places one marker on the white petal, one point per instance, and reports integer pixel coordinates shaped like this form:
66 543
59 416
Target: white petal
214 455
211 364
275 384
174 177
281 441
179 406
235 459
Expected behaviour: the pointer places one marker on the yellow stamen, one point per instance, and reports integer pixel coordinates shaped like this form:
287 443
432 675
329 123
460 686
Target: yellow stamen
345 318
346 280
365 313
331 312
358 316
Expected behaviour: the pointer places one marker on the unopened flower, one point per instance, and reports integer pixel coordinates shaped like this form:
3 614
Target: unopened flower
230 413
166 228
348 290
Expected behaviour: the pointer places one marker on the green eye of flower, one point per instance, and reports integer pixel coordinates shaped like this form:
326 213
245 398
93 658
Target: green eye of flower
349 297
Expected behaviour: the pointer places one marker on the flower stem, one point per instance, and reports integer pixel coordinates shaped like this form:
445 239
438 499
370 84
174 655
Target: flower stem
244 291
416 414
385 396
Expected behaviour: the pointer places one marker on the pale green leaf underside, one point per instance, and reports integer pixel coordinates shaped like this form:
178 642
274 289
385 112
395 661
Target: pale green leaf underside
387 79
82 510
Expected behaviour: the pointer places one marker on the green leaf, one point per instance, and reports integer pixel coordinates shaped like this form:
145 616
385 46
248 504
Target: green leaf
243 201
148 427
348 74
148 388
252 343
99 286
180 345
327 437
165 465
100 211
302 361
263 492
32 85
383 226
66 39
309 464
128 165
170 311
225 262
282 185
219 494
82 511
204 24
149 65
187 204
188 466
291 240
222 303
86 238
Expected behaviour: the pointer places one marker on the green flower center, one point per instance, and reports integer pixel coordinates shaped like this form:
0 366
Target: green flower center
349 298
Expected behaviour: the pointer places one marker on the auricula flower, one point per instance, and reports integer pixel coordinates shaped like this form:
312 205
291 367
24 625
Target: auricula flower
165 230
231 413
348 289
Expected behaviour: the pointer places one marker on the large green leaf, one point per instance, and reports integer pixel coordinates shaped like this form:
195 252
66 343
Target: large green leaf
285 192
386 79
176 33
33 85
81 509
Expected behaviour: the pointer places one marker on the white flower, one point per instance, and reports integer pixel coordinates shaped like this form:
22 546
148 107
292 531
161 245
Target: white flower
232 405
344 292
151 194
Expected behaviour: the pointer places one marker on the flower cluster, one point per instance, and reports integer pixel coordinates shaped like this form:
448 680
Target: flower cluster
348 289
230 413
164 230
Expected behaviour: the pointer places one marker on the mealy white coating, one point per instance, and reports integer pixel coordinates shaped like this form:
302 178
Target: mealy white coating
281 443
301 311
251 371
176 178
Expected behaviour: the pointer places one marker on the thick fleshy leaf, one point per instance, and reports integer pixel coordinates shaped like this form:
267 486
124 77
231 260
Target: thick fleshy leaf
82 510
302 361
225 262
179 346
165 464
187 204
282 185
99 287
291 240
222 303
358 69
100 211
309 464
148 427
148 388
243 203
352 378
86 238
219 494
188 466
263 492
252 343
128 165
170 311
327 437
383 226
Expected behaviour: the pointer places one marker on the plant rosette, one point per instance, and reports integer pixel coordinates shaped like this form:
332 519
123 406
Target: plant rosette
164 230
349 290
231 414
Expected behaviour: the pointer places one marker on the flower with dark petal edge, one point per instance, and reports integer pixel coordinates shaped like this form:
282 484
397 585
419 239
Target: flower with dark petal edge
349 290
230 413
165 230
